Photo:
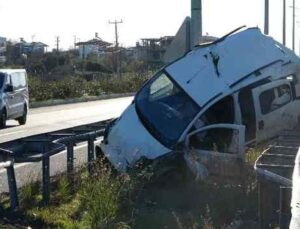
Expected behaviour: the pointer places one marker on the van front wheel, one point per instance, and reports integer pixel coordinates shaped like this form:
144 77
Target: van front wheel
2 119
22 120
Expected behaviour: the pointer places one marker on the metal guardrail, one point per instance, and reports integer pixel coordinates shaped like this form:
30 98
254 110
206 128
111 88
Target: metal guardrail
274 169
40 148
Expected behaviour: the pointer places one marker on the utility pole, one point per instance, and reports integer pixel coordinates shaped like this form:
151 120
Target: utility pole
196 22
117 45
75 41
57 43
284 23
116 30
266 17
294 16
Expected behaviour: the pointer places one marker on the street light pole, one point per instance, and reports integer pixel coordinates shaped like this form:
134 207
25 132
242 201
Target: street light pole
294 25
196 22
266 17
284 23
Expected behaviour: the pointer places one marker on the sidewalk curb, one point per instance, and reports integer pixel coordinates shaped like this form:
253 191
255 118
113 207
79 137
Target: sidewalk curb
77 100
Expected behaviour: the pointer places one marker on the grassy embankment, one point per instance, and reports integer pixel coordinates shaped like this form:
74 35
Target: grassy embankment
137 200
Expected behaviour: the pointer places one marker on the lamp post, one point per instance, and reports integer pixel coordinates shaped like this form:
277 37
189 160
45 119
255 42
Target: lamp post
196 22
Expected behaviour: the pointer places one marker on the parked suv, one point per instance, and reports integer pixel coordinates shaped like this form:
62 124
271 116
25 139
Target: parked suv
13 96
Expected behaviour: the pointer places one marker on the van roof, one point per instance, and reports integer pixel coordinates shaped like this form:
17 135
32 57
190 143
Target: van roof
207 72
8 71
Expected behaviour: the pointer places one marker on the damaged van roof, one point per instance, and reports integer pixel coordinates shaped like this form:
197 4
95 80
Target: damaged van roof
206 72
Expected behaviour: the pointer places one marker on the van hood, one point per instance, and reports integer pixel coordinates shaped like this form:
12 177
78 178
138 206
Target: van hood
128 141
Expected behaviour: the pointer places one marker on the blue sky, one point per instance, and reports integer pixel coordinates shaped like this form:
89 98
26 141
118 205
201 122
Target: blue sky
42 20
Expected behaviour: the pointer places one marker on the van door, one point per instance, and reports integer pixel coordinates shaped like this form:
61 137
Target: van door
216 150
18 94
10 100
275 107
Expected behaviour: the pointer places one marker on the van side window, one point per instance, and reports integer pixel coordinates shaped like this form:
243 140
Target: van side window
22 78
2 80
217 140
220 112
15 80
275 98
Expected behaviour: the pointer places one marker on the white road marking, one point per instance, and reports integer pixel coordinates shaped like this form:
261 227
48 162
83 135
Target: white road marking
15 132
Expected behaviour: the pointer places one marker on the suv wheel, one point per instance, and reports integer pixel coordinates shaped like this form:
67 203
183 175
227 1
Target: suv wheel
3 119
22 120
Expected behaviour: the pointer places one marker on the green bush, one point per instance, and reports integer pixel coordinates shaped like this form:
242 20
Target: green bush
75 87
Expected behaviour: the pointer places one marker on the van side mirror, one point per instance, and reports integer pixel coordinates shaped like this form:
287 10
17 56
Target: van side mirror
9 88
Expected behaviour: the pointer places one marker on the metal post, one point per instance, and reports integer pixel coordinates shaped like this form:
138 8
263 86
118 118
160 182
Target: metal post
285 207
188 35
196 22
294 25
265 206
70 157
46 179
91 153
284 23
13 194
267 17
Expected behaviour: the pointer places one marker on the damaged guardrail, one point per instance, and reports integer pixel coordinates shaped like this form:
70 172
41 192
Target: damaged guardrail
274 169
41 147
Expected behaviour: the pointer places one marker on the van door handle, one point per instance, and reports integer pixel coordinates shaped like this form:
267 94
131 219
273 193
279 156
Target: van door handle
261 125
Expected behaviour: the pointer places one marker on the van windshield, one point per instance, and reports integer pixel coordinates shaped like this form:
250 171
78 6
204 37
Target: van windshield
165 109
1 80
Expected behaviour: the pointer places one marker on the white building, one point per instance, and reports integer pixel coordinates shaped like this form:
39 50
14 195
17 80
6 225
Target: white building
96 46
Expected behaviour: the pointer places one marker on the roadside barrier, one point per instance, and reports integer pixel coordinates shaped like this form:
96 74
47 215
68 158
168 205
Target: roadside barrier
40 148
275 168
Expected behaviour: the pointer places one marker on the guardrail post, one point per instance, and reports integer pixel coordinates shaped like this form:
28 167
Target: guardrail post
91 153
265 198
285 207
46 180
70 157
13 194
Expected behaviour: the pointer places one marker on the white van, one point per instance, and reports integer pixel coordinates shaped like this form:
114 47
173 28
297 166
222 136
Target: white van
239 90
14 99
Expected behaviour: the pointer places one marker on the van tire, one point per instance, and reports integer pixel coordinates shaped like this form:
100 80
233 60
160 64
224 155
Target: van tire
22 120
3 118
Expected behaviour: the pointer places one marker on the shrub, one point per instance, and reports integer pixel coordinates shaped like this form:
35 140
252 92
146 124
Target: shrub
75 87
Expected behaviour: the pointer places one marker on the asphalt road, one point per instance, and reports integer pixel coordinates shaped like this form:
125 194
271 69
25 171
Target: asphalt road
46 119
41 120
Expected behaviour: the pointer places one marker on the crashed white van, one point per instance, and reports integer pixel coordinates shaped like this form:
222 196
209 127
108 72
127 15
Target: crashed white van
238 90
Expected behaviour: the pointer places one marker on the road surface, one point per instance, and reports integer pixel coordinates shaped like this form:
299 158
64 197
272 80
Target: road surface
41 120
46 119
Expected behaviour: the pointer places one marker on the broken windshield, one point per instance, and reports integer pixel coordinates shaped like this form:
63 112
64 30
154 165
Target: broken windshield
165 109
